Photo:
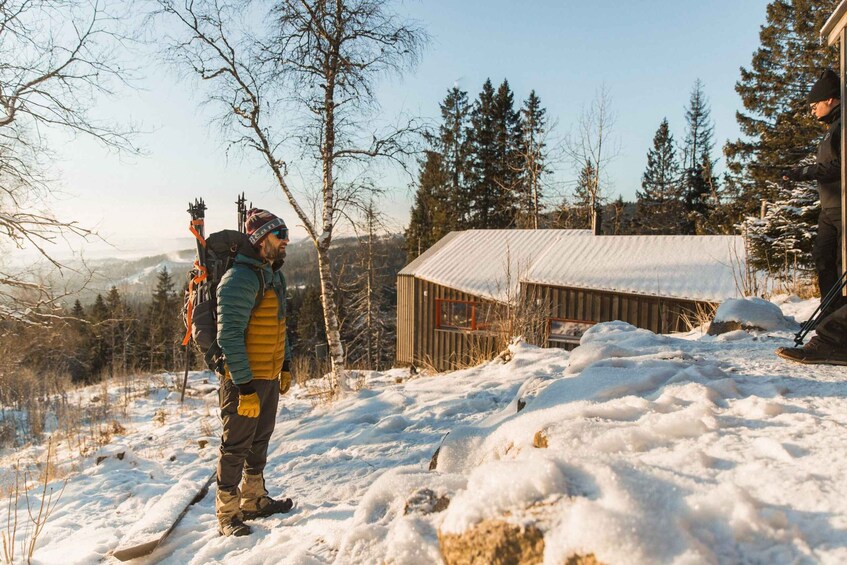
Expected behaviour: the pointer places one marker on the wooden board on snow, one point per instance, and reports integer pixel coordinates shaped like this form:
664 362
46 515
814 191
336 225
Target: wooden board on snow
160 520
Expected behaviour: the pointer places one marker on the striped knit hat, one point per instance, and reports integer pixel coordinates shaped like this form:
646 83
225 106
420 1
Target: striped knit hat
260 223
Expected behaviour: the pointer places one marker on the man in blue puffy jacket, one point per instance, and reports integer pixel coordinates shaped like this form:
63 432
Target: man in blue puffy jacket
252 337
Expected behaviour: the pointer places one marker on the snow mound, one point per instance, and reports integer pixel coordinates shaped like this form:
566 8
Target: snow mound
753 313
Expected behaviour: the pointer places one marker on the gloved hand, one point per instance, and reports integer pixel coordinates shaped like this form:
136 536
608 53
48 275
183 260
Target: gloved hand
793 174
248 405
285 381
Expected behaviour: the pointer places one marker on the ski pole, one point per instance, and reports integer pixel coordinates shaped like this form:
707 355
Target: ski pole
813 320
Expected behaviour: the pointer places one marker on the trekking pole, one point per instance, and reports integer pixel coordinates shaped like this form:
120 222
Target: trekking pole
197 211
814 319
242 212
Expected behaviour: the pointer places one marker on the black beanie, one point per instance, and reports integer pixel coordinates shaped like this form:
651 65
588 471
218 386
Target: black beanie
827 86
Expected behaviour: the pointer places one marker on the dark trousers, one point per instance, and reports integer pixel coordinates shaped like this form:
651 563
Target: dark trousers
827 255
244 443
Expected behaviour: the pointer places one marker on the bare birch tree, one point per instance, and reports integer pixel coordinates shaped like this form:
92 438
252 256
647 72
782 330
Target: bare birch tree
314 71
592 146
56 58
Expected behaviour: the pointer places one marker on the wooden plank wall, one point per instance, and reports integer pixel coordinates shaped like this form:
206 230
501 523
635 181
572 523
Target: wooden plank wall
446 350
420 343
659 315
405 320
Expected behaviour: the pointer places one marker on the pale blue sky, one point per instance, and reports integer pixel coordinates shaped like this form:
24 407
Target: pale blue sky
647 53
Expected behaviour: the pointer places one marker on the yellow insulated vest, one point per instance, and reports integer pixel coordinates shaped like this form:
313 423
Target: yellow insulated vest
266 338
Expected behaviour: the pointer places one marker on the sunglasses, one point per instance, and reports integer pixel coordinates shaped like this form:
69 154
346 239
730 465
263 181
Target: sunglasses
281 233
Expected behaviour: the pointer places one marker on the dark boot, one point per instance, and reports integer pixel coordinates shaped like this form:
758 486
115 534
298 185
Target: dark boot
815 352
255 502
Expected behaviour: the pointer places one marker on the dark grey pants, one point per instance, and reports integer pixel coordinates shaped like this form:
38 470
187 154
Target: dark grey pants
244 443
827 254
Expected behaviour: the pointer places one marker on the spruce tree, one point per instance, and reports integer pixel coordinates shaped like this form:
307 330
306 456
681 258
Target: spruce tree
454 146
582 199
99 350
508 162
532 152
700 191
483 186
495 158
431 211
777 126
163 323
659 207
78 311
781 242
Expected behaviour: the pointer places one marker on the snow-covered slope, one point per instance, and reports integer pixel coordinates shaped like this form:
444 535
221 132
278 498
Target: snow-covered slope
635 448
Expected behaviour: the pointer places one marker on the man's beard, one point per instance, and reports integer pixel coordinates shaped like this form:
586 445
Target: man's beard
273 253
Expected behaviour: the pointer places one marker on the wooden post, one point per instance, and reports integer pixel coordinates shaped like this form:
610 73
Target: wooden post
843 64
835 29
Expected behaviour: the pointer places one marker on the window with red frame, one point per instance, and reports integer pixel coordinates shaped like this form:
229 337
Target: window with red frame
462 315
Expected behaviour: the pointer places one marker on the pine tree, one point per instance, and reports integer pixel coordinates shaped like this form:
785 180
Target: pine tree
494 138
778 128
582 198
78 311
454 145
781 242
163 323
371 345
431 212
532 152
310 326
100 353
700 190
483 189
659 207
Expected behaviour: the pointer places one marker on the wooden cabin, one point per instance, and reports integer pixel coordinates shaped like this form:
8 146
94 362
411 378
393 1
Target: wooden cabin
458 301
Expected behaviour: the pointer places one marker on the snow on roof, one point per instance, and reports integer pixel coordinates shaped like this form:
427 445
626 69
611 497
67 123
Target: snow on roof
695 267
486 262
673 266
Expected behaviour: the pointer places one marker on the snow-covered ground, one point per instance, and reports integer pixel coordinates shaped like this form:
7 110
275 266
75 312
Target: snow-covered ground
636 448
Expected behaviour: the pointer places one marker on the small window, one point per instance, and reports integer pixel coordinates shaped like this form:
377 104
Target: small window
567 331
455 315
463 315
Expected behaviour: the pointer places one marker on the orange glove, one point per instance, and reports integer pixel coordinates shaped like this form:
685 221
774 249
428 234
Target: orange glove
248 405
285 381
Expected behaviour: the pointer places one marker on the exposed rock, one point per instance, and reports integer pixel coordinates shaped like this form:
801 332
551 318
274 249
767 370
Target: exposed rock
540 440
717 327
202 443
521 404
425 501
493 542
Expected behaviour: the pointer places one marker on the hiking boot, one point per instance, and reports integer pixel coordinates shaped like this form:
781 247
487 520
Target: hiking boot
815 352
233 527
255 502
228 514
267 506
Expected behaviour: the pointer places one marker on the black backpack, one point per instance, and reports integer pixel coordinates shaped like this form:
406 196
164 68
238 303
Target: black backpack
200 310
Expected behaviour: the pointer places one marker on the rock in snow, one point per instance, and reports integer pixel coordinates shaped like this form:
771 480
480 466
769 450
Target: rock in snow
749 314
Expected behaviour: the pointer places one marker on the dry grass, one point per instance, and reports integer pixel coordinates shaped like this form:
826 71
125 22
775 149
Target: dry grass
702 315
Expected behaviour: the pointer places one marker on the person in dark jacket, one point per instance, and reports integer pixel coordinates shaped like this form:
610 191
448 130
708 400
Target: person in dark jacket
252 337
829 346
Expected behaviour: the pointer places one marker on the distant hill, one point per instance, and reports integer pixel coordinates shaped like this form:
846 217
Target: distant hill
136 278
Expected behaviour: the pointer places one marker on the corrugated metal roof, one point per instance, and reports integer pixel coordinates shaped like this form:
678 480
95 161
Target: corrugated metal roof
486 262
704 267
423 257
490 263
